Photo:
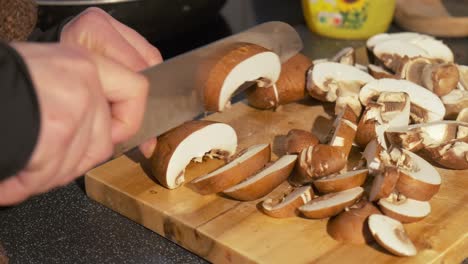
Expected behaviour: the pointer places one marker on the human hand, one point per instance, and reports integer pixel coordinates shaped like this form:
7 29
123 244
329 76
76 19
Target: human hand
100 33
86 107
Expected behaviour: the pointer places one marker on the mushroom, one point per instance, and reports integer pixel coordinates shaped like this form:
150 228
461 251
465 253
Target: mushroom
348 114
329 80
452 154
421 181
345 56
391 235
394 54
455 102
403 36
264 181
287 204
343 135
290 86
243 62
463 115
366 128
298 139
372 155
191 140
379 73
341 182
331 204
463 80
425 105
248 162
404 209
384 183
351 225
317 161
440 78
418 136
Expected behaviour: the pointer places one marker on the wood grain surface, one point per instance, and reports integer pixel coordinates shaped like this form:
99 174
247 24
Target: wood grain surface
222 230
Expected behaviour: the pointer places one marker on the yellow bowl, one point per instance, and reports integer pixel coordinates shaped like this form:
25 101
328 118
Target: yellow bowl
348 19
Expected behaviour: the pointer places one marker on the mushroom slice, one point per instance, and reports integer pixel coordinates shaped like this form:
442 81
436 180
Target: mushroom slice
463 115
372 155
351 226
244 62
435 49
412 70
418 136
343 135
348 114
327 80
244 165
264 181
331 204
379 73
404 209
395 110
317 161
384 183
452 154
351 101
391 235
395 53
403 36
366 128
455 102
425 105
345 56
341 182
298 139
440 78
463 70
177 147
287 205
290 86
421 182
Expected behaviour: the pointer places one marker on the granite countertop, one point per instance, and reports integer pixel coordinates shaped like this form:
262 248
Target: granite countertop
64 226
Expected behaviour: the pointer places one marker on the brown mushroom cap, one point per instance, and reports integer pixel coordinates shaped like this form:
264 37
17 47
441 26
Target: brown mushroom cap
290 87
384 183
341 182
331 204
404 209
452 154
242 63
298 139
351 226
177 147
287 204
343 136
246 164
264 181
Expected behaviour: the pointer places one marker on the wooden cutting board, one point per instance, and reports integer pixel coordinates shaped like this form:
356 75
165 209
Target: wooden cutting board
222 230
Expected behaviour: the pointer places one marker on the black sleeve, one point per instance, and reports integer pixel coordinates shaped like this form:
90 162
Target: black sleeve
19 113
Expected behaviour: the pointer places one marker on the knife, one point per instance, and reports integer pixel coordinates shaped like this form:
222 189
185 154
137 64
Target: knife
176 95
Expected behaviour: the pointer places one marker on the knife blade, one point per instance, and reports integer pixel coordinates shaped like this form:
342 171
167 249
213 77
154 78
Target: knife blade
176 94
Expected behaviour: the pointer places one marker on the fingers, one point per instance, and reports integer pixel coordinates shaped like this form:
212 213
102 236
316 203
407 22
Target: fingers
127 92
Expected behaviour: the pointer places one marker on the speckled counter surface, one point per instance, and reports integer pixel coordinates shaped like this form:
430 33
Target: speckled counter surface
64 226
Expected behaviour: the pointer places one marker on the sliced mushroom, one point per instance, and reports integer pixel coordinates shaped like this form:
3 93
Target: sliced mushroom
384 183
177 147
287 204
331 204
395 53
425 105
379 73
452 154
366 128
351 101
317 161
391 235
404 209
246 164
463 70
345 56
298 139
403 36
343 135
413 68
264 181
351 225
348 114
290 86
463 115
440 78
372 155
243 63
418 136
455 102
341 182
328 80
421 182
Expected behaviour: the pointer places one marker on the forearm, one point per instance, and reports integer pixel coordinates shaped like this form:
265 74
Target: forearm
19 113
